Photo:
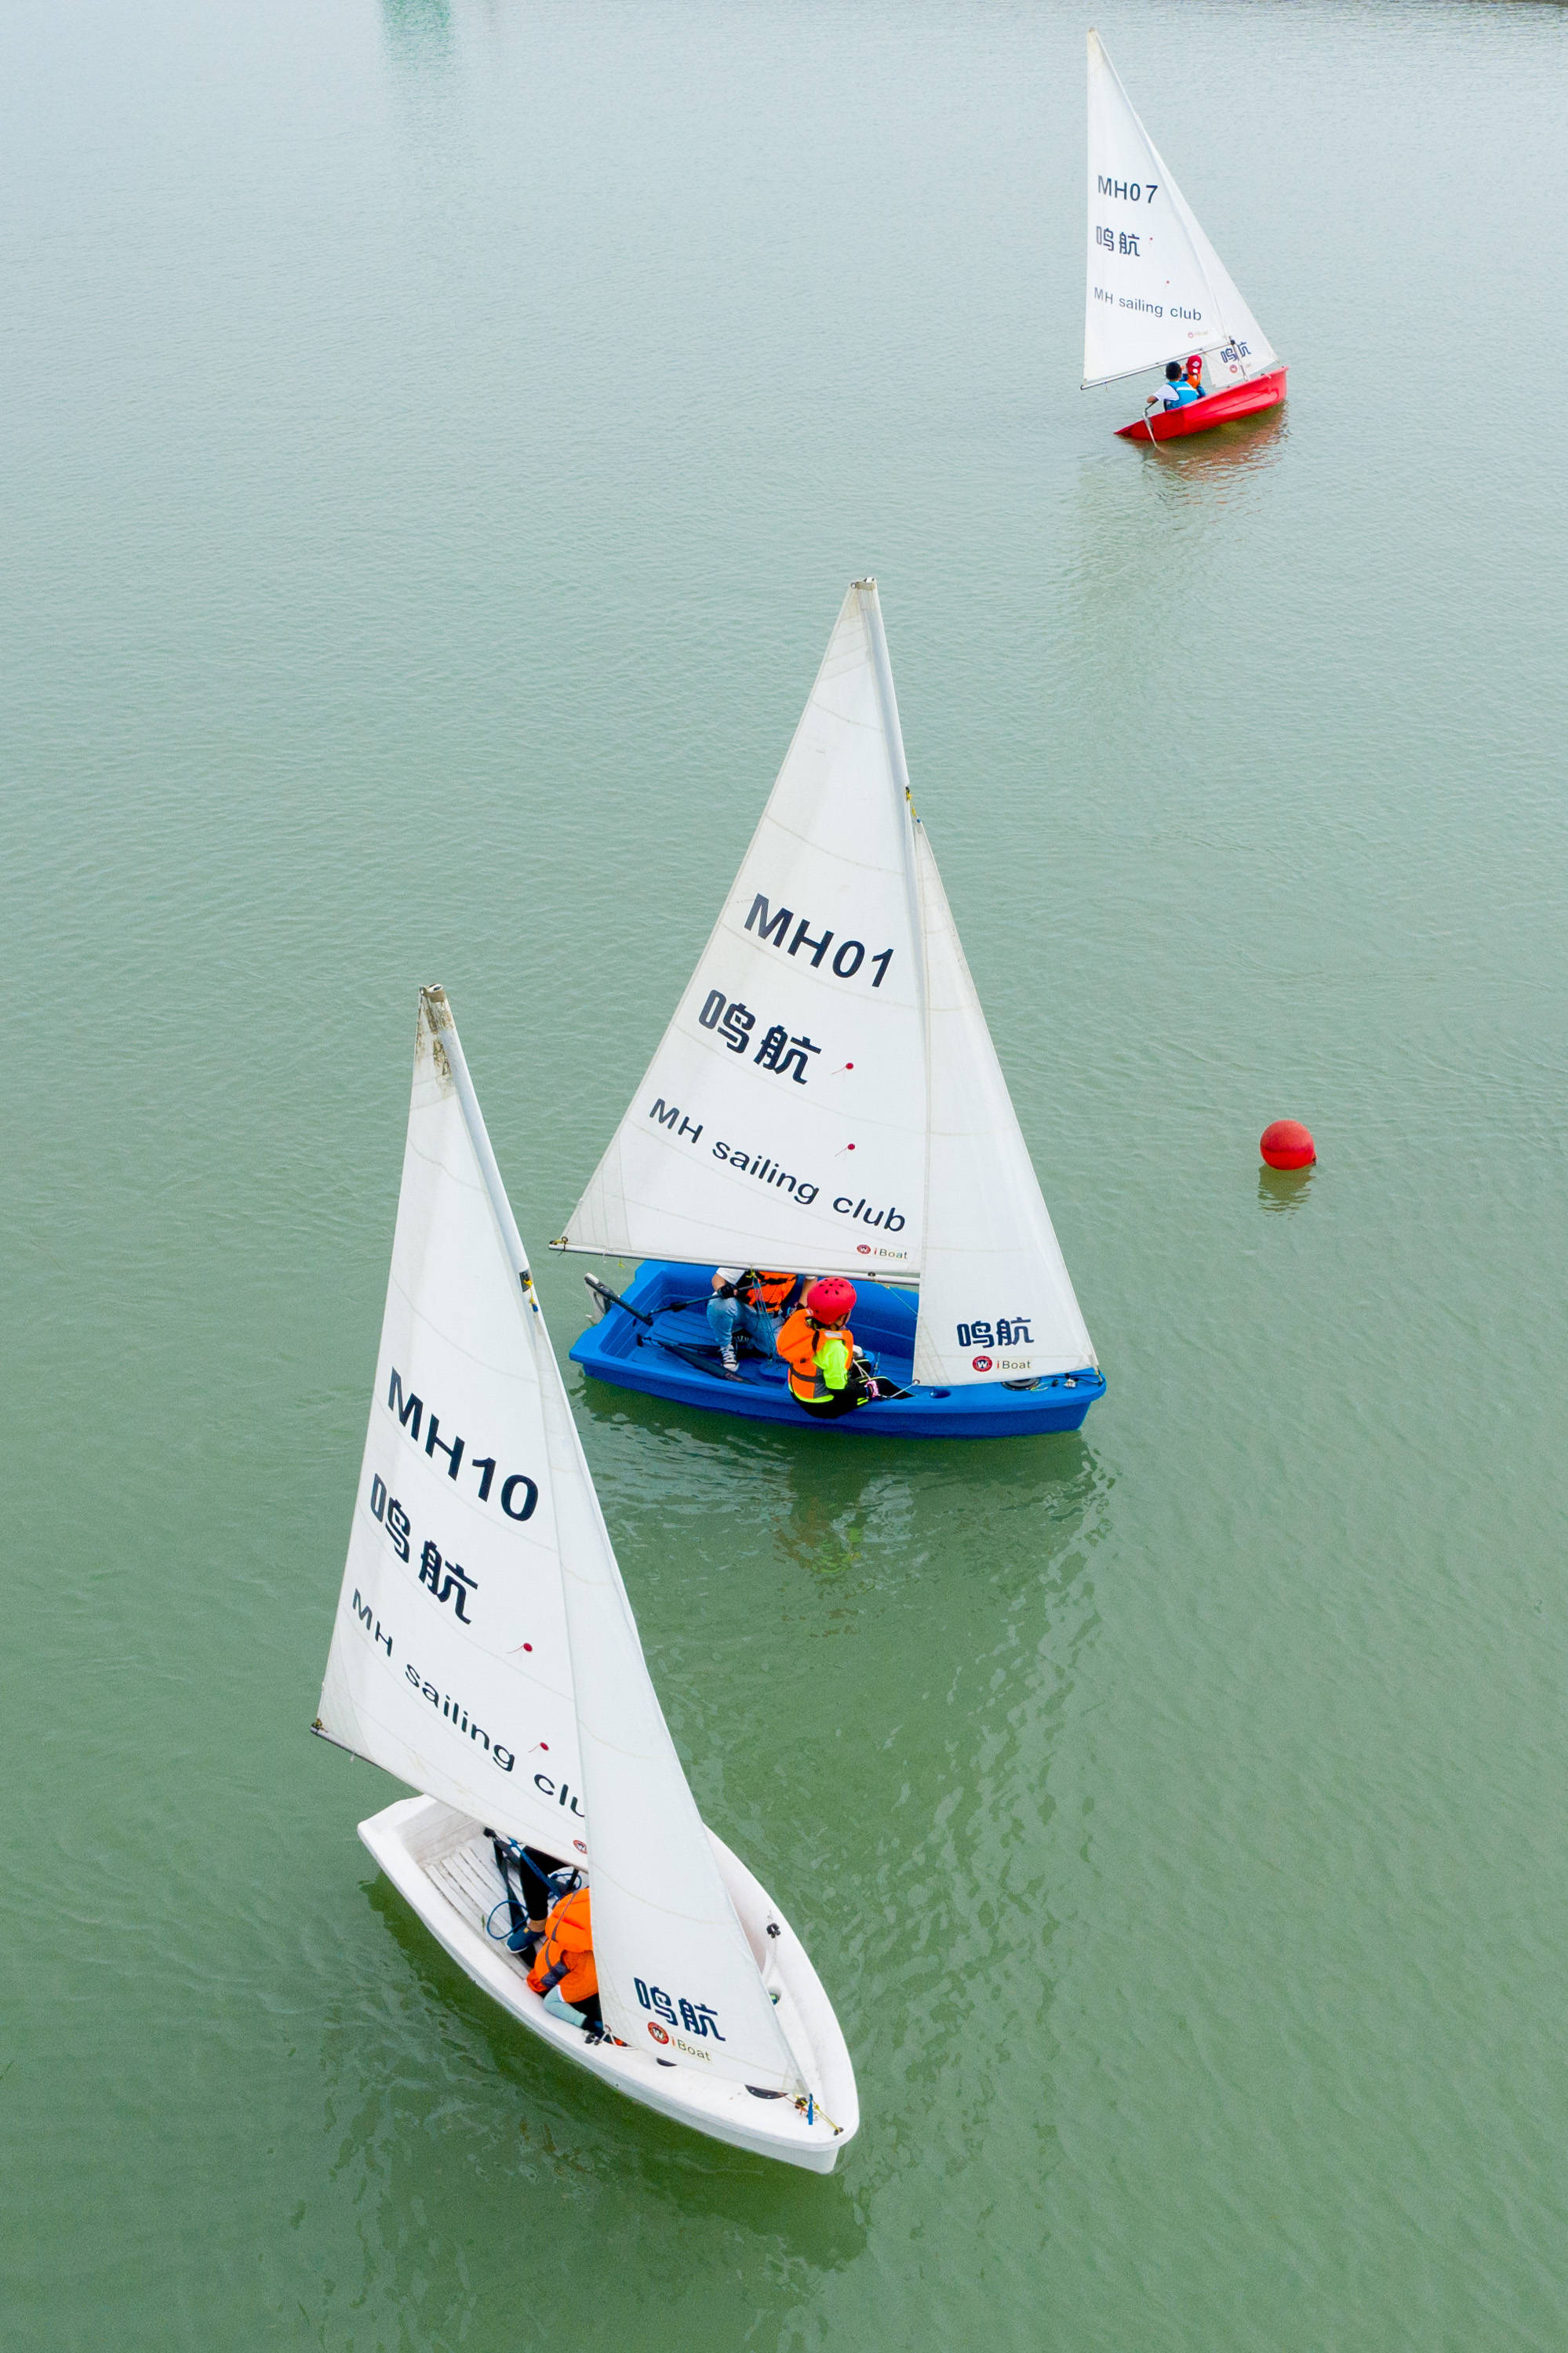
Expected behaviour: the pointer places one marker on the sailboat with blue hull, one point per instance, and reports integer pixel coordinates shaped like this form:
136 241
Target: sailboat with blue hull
827 1100
672 1356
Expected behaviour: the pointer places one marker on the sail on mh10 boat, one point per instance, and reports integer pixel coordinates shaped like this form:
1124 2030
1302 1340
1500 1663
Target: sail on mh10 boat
484 1651
827 1100
1157 290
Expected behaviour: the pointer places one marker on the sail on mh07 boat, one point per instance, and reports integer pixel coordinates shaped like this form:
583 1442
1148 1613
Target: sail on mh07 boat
486 1652
1157 290
827 1099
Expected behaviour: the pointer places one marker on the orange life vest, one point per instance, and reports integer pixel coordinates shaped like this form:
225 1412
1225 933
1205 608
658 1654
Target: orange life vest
773 1289
798 1340
565 1959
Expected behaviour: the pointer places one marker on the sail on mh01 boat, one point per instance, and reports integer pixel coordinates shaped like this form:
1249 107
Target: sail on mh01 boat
827 1100
1157 290
484 1651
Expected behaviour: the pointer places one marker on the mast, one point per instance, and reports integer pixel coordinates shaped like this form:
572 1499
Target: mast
887 700
448 1046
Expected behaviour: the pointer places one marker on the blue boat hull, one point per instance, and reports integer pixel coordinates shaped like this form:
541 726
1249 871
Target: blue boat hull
625 1352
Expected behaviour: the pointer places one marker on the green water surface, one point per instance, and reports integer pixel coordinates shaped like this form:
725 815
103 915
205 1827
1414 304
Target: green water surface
435 444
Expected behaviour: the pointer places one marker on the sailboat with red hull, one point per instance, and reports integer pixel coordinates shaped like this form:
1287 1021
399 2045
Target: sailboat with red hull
1214 408
1157 291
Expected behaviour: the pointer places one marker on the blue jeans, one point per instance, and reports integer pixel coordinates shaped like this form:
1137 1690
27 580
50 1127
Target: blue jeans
728 1316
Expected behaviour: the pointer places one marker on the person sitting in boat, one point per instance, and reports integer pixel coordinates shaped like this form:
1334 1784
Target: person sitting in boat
749 1300
1169 394
1192 385
828 1376
565 1961
530 1907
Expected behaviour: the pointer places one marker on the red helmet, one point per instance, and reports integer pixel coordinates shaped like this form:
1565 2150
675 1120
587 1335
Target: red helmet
831 1301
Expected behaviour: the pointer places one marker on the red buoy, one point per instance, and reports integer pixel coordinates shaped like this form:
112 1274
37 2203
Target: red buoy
1287 1145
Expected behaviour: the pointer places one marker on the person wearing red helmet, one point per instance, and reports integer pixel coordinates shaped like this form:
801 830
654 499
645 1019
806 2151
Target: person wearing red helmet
827 1378
1193 389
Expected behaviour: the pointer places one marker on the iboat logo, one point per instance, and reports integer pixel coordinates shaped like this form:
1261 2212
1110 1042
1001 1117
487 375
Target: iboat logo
864 1249
657 2032
980 1364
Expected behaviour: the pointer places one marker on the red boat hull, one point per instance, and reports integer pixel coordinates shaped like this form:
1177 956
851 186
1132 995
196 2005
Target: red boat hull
1214 408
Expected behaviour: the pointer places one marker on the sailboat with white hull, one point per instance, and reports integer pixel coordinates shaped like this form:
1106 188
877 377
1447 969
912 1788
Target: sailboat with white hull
1157 290
827 1100
484 1651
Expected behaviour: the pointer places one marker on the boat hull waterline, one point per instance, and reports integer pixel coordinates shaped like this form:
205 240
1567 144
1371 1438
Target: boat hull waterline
1233 400
632 1354
442 1865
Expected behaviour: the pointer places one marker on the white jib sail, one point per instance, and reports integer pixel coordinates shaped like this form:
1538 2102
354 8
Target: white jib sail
672 1959
782 1120
514 1686
1157 290
996 1300
449 1663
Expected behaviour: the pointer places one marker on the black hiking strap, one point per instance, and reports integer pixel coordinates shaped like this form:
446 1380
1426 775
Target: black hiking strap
516 1909
688 1356
602 1291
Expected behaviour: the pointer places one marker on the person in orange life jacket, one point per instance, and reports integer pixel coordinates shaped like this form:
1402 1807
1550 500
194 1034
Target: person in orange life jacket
827 1377
751 1302
565 1961
1192 385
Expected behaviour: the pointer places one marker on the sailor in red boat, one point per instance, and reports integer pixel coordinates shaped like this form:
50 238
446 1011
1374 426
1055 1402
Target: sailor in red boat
1168 395
1192 387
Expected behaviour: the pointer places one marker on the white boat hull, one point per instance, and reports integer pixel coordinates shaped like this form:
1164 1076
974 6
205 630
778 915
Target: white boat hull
442 1865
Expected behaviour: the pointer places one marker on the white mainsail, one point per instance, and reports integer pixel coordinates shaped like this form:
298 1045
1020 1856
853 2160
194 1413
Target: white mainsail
894 1152
514 1686
1156 288
996 1300
449 1663
782 1120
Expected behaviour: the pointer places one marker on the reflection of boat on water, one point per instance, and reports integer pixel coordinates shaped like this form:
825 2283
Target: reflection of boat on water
512 1692
827 1100
1247 444
1157 290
